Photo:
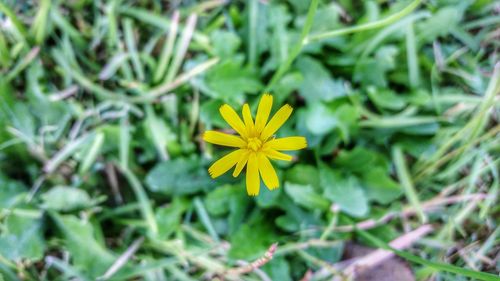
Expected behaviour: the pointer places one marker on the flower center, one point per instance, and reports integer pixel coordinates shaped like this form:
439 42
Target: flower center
254 144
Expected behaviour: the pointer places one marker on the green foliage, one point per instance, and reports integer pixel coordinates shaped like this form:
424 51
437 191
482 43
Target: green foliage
103 171
23 237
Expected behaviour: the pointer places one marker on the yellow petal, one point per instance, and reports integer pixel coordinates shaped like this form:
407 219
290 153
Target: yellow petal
225 163
273 154
223 139
277 121
241 163
247 118
233 119
267 172
253 180
265 105
288 143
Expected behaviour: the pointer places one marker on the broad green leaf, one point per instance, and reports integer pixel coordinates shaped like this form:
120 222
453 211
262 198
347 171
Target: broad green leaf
87 254
252 239
306 196
64 198
320 119
11 192
318 84
179 176
386 99
372 71
380 187
169 217
303 174
230 80
226 43
230 199
278 269
23 237
358 160
345 191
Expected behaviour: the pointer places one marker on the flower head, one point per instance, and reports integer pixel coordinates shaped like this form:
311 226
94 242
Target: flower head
255 144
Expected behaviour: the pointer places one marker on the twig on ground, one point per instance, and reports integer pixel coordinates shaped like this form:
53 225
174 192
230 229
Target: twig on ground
122 260
379 256
426 206
255 264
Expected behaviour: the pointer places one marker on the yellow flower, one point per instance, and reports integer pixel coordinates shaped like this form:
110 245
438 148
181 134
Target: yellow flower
256 144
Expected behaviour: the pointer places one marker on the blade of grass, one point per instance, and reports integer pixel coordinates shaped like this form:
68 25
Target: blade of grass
13 18
169 86
122 259
61 22
83 80
93 152
296 49
406 182
168 47
23 63
469 131
432 264
253 13
67 270
138 271
113 65
161 22
39 26
450 155
205 218
493 190
112 26
367 26
181 48
383 34
412 58
132 48
67 151
142 197
398 122
158 131
4 52
124 147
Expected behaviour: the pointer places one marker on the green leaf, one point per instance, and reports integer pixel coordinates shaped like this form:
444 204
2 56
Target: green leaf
217 201
23 237
345 191
169 217
380 187
269 198
229 80
318 85
305 196
320 119
279 38
228 199
358 160
11 192
440 24
87 254
372 71
226 43
303 174
296 218
63 198
386 99
252 239
179 176
278 269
